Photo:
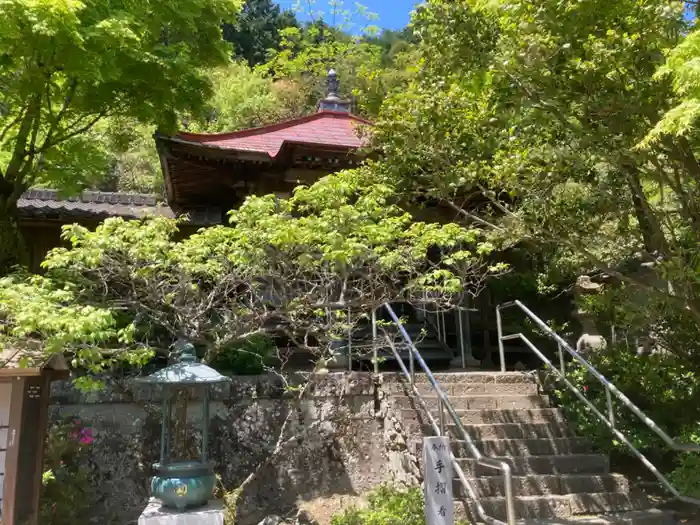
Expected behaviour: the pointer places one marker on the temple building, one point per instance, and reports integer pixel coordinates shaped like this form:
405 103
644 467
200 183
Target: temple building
207 175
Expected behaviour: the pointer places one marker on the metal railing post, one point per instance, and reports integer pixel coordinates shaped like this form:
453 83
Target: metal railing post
444 328
441 416
349 343
610 390
611 412
412 366
375 354
562 361
501 348
205 426
460 330
510 497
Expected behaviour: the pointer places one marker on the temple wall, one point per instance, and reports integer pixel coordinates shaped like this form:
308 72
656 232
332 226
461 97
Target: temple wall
343 441
40 237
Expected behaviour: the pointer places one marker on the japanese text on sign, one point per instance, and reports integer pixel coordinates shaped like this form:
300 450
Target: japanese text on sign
439 509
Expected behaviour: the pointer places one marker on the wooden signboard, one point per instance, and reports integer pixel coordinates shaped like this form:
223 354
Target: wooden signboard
24 408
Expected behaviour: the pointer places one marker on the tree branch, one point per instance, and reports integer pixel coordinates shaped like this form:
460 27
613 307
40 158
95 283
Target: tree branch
14 167
49 143
72 87
12 123
471 216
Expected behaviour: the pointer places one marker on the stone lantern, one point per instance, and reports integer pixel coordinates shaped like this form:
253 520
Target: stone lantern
179 483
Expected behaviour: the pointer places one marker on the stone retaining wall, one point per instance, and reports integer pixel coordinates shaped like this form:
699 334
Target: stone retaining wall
346 439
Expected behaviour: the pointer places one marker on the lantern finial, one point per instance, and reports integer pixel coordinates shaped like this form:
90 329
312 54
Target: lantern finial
186 351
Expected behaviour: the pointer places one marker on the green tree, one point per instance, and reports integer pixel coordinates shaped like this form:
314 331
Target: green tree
392 43
245 98
367 71
306 55
240 98
66 65
132 160
528 119
257 30
128 290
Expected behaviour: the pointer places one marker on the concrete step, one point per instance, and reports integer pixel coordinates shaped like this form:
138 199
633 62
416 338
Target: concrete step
519 447
466 389
430 355
565 506
518 416
427 344
411 327
527 465
534 447
461 378
543 485
635 517
483 432
477 402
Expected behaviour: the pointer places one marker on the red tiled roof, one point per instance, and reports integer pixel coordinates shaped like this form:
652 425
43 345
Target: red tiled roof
325 128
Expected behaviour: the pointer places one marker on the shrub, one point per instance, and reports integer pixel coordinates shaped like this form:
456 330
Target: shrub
387 506
686 476
661 386
664 387
66 477
247 357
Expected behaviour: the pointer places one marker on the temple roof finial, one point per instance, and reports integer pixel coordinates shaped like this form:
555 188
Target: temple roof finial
332 83
333 102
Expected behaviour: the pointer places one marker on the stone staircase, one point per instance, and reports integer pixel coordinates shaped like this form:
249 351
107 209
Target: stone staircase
558 478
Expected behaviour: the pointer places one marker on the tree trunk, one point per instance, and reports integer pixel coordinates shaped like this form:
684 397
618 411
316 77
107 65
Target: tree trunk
12 248
652 233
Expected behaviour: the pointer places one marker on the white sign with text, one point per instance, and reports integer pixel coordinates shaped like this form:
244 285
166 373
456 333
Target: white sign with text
439 508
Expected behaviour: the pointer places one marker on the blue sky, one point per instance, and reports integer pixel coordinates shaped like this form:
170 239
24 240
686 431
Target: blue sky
393 14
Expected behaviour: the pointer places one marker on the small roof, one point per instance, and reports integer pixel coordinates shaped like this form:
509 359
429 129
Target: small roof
100 205
186 371
47 203
334 129
11 361
185 374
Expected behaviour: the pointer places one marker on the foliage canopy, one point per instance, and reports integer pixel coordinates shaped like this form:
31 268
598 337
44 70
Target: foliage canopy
68 64
554 128
300 267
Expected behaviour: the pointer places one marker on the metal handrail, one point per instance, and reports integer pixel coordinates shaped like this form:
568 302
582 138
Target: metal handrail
439 429
610 389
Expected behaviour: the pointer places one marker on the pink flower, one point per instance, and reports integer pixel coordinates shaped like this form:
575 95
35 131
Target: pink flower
585 388
86 436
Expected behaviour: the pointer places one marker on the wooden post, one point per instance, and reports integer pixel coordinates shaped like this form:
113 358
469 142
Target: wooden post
29 407
26 432
5 396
